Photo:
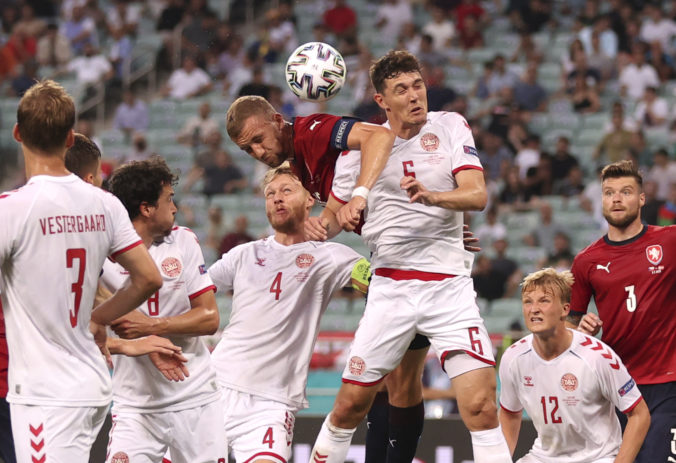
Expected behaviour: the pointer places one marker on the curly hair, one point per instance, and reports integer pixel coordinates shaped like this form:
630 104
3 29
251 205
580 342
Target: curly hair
394 63
139 182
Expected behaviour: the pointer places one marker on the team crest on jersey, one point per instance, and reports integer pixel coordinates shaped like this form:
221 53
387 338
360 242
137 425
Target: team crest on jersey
654 254
120 457
569 382
528 381
171 267
304 260
429 142
357 366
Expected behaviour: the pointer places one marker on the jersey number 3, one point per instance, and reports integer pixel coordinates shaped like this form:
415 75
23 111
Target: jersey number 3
80 255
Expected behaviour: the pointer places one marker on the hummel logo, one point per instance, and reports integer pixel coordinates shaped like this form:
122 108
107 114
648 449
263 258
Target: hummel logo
260 261
314 124
603 267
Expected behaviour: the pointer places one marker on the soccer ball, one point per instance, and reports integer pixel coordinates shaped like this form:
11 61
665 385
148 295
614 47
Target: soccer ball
315 71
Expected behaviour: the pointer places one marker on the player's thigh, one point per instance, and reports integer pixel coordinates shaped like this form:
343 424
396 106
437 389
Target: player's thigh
258 428
660 442
198 434
450 319
384 333
137 438
404 383
66 434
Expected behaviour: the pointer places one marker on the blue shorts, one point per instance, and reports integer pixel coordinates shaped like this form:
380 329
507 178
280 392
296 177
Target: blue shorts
6 441
660 442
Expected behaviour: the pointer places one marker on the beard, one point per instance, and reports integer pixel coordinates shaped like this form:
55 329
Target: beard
622 222
288 224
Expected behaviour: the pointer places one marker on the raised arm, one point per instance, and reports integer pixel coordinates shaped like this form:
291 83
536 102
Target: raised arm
470 195
324 226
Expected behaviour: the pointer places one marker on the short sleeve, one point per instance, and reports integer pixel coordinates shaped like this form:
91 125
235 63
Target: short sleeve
7 224
347 170
509 397
581 291
124 237
222 272
617 385
345 259
464 154
197 278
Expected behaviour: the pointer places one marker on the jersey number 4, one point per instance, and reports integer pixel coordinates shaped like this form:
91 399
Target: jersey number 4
276 286
80 255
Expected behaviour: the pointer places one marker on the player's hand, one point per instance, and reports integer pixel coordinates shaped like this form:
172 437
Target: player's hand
149 344
417 192
315 229
348 216
100 338
468 239
172 366
134 325
590 324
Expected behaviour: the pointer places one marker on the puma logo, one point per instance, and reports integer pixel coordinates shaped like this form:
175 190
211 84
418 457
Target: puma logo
603 267
392 442
314 124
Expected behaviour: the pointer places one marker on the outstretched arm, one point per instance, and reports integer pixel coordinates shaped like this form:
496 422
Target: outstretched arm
470 195
324 226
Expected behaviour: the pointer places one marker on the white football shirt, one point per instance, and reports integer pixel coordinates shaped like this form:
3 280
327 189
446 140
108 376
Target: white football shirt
413 236
137 385
55 234
571 399
280 292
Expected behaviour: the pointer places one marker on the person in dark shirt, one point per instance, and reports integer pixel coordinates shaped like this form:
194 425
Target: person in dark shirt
239 235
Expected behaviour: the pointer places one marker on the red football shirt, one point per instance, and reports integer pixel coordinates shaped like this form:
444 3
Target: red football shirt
4 357
633 283
318 139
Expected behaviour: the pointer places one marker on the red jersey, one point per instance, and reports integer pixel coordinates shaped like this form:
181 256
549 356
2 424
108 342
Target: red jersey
318 139
4 357
634 286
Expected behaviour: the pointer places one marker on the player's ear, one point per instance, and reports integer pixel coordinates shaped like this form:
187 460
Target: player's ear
145 209
641 198
278 120
378 98
16 134
565 310
70 139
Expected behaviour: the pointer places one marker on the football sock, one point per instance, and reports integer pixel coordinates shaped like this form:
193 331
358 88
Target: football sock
377 429
332 443
490 446
406 425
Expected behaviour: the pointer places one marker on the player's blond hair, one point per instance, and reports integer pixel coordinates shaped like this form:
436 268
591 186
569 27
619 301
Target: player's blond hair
283 169
45 116
548 279
243 108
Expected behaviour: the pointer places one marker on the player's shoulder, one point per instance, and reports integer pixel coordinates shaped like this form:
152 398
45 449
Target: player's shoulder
180 234
588 253
313 121
518 349
448 119
666 233
594 351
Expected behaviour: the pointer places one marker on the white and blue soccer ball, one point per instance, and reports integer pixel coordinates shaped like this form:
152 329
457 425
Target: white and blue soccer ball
315 71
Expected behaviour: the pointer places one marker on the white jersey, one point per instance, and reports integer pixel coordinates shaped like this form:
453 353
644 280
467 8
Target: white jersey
571 399
413 236
55 234
280 292
137 385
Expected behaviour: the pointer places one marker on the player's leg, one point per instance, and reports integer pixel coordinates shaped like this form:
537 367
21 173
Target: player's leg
380 342
377 427
660 442
406 411
137 437
197 434
59 434
6 441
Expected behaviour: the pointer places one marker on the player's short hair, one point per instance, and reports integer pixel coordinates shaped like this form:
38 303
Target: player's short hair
283 169
45 115
243 108
83 157
621 169
550 279
140 182
394 63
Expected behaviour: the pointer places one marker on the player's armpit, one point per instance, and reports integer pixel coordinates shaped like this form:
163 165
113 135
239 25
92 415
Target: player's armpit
638 422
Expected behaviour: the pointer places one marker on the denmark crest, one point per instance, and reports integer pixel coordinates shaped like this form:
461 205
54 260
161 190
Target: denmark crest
654 254
429 142
120 457
304 260
171 267
569 382
357 366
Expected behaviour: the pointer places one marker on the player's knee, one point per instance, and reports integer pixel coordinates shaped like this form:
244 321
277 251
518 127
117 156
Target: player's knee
404 391
480 411
349 410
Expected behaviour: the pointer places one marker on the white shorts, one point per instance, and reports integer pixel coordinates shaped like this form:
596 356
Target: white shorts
257 427
445 311
531 459
66 434
194 435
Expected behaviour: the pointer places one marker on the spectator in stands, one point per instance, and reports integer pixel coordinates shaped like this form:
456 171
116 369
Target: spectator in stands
527 49
233 56
281 33
28 77
581 68
470 35
341 20
239 235
637 75
215 229
439 96
589 200
663 173
662 62
657 28
170 17
487 281
652 111
568 59
410 38
583 98
512 193
501 77
241 74
481 87
437 390
440 28
598 59
667 212
528 94
91 67
391 17
562 160
188 81
562 257
652 205
530 16
28 23
613 145
256 86
572 184
120 51
21 46
495 157
627 122
491 230
607 37
429 55
508 270
199 35
545 230
80 30
53 48
139 149
123 15
223 176
528 156
539 180
131 115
